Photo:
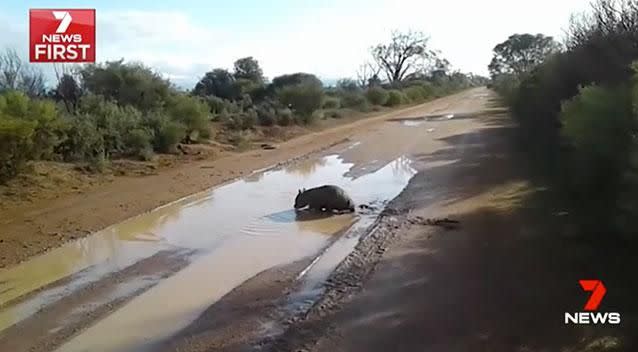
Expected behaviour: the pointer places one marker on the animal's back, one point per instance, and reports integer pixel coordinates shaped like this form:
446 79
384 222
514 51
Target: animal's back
330 197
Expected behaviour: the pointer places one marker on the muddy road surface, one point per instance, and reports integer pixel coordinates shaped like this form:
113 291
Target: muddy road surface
234 267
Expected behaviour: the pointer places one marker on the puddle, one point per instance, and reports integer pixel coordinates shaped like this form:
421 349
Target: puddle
270 239
420 120
239 230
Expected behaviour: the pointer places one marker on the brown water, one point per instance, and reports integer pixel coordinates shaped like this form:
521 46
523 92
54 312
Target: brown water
238 230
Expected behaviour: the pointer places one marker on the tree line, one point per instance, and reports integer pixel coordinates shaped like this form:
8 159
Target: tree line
576 104
116 109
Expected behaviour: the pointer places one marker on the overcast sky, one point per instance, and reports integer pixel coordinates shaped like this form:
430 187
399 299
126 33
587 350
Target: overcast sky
330 38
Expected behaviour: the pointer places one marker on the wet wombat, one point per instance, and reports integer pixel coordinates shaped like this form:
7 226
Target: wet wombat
326 197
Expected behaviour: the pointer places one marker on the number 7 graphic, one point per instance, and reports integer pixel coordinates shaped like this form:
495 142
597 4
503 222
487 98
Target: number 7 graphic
598 292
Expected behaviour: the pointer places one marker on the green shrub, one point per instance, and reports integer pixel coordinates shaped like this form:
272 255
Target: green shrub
249 119
284 117
354 100
138 143
127 84
303 98
331 103
266 115
377 95
416 94
192 112
395 98
169 135
216 104
165 133
49 129
599 125
83 139
15 145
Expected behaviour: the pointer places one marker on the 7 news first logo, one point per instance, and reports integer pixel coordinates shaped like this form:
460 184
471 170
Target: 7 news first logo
62 35
591 314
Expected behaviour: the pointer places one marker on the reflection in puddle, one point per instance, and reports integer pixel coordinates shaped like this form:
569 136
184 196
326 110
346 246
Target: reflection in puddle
239 229
418 121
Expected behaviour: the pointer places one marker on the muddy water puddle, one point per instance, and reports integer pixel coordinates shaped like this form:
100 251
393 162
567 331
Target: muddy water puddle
420 120
237 230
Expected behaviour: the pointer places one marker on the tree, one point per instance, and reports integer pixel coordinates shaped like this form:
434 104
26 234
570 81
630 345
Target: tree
126 83
248 68
218 82
406 53
348 85
294 79
16 75
520 53
368 75
69 92
31 82
10 66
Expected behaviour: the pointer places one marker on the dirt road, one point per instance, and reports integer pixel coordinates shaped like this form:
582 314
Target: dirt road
32 228
234 269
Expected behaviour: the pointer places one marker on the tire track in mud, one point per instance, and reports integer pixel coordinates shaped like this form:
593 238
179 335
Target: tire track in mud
301 331
43 331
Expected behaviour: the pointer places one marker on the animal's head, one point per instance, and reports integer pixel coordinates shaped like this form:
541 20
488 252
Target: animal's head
300 200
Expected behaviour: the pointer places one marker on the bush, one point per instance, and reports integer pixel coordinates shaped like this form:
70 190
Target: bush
266 115
395 98
416 94
215 104
354 100
331 103
15 144
127 84
377 95
165 133
303 98
138 142
83 139
191 112
284 117
599 125
168 136
249 119
48 129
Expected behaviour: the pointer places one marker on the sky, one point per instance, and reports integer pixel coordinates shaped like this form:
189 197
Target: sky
183 39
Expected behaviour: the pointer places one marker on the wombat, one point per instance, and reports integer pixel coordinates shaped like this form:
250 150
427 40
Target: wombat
326 197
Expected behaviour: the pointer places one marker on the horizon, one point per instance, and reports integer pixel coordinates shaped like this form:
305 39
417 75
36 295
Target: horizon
330 40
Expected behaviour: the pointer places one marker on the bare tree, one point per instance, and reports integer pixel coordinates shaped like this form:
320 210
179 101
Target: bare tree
367 74
10 66
406 53
16 75
32 81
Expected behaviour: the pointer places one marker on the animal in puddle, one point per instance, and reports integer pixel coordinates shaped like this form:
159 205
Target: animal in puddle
328 198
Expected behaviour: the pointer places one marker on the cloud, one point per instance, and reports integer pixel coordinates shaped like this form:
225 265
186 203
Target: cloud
330 39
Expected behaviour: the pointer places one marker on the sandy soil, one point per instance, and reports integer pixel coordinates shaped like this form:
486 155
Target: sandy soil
76 205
